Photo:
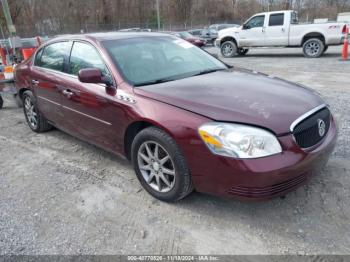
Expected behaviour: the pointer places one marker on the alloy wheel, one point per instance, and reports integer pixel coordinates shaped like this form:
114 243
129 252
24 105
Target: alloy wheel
312 48
227 49
156 166
31 113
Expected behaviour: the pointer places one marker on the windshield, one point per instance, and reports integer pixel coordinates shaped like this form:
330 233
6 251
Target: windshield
151 60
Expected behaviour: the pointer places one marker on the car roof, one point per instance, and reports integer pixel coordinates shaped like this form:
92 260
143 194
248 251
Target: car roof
107 36
273 12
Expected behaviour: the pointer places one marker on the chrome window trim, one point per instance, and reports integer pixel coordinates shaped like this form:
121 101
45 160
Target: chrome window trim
54 71
73 41
306 115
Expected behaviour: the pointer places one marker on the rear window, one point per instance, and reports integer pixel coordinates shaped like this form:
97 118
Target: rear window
276 20
196 32
54 55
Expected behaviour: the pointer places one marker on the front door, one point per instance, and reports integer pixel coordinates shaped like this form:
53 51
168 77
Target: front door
89 110
253 32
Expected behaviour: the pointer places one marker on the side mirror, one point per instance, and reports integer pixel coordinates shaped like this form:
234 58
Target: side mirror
90 75
93 76
245 27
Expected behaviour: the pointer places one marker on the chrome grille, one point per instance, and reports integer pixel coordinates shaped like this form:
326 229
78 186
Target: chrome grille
312 129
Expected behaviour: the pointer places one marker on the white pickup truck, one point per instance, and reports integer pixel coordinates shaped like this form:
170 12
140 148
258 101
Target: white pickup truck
280 29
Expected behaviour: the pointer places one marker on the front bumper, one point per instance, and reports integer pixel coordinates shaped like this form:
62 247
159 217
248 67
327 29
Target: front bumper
217 42
263 178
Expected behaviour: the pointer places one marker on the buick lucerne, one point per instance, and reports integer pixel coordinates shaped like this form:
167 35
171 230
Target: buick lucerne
185 120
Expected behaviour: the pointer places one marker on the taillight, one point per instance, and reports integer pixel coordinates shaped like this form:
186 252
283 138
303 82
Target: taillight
345 30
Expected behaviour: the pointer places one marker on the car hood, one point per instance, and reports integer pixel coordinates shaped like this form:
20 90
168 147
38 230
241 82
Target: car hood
239 96
228 31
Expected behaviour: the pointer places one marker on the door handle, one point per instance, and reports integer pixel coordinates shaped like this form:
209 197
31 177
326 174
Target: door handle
35 82
263 29
283 30
68 93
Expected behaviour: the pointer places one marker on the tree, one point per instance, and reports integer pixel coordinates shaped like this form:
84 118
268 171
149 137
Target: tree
52 17
183 10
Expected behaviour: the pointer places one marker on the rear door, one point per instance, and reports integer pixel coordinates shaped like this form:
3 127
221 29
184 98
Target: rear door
253 32
89 110
277 30
46 76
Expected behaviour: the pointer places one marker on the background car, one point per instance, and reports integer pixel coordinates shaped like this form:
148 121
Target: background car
197 41
196 32
136 29
219 27
210 35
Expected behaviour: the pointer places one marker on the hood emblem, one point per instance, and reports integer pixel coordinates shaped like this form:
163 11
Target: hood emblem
321 127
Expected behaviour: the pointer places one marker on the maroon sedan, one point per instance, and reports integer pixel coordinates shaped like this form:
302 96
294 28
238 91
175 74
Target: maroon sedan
200 42
185 119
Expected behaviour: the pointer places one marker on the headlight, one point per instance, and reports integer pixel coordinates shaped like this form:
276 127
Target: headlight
239 141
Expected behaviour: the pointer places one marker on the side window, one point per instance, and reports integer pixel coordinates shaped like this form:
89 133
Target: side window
294 18
53 56
37 60
276 20
257 21
85 56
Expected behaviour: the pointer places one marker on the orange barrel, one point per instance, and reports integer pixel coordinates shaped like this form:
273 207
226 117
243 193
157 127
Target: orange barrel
27 52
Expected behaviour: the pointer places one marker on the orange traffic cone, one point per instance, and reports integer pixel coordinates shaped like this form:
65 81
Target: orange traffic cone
345 53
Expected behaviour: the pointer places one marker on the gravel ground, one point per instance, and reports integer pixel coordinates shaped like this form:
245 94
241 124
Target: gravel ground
59 195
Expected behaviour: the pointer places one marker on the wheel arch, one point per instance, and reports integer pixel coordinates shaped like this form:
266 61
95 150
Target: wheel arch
136 127
228 38
22 90
310 35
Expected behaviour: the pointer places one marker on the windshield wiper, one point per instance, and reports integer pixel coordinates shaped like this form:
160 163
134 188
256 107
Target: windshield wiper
168 79
208 71
158 81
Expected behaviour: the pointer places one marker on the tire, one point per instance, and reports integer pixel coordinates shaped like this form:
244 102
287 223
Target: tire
313 48
1 102
148 165
32 112
242 51
228 49
325 49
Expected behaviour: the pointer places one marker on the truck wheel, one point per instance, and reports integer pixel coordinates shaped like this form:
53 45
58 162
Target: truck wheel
313 48
1 102
229 49
242 51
